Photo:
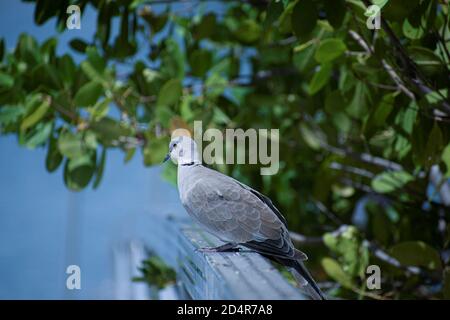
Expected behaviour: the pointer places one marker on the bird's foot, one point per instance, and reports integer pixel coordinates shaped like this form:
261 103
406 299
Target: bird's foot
228 247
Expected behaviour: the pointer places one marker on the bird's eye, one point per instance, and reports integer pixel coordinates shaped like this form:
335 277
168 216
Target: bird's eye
174 145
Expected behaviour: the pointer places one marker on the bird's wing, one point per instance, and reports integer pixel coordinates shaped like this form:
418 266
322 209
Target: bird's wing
267 201
239 214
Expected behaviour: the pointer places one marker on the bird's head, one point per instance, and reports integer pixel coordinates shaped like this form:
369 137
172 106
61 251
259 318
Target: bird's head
183 150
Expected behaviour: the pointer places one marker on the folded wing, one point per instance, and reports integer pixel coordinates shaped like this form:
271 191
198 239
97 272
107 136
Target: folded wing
239 214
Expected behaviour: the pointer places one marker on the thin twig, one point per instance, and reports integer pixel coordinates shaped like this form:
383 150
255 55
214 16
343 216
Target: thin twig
391 72
364 157
394 76
417 78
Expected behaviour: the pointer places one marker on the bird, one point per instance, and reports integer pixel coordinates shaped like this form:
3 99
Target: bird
236 214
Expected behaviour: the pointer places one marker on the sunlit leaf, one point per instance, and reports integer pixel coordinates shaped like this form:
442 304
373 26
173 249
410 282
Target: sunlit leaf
36 115
390 181
88 94
329 49
169 93
334 270
320 78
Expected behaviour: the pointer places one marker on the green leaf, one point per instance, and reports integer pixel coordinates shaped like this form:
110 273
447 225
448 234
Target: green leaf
100 109
170 93
274 10
70 145
304 18
416 253
275 55
78 45
38 135
200 61
434 146
27 49
156 273
67 69
156 22
378 118
94 58
90 139
334 101
303 46
155 151
313 139
205 28
88 94
109 131
412 32
358 106
407 118
164 115
426 59
54 157
129 154
446 159
384 109
48 49
335 11
215 85
93 74
100 169
329 49
397 10
284 21
220 117
390 181
36 115
436 96
380 3
185 108
248 31
10 114
334 270
79 171
304 60
46 75
342 121
6 81
172 60
353 255
320 78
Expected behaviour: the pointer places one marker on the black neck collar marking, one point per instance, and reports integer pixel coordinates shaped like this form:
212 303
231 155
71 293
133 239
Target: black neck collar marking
188 164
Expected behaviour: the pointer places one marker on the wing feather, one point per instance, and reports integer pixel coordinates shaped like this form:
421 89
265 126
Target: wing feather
236 213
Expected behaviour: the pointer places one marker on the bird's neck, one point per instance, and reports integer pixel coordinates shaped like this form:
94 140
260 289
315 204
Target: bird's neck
188 161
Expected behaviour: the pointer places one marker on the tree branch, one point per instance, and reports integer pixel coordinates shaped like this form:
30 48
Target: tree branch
417 79
391 72
364 157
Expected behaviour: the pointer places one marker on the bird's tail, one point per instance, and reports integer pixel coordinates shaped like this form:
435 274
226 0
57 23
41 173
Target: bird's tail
304 279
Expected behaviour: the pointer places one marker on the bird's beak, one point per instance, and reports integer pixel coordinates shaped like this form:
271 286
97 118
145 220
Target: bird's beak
167 157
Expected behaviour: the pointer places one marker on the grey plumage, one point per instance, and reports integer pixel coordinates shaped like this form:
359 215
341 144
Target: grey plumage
237 214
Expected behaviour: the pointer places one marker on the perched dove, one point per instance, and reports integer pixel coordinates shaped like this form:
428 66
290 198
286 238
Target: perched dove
235 213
